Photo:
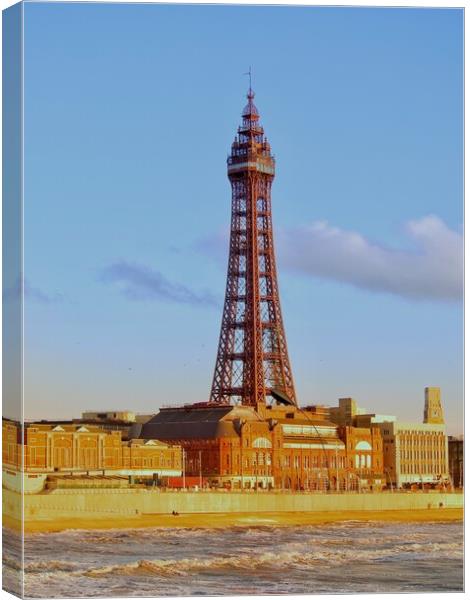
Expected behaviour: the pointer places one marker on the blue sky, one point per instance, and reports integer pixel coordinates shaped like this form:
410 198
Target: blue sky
130 111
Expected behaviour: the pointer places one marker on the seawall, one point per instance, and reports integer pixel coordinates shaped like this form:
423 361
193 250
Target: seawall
129 505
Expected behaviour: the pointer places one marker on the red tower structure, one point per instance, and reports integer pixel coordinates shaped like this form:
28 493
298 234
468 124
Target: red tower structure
252 360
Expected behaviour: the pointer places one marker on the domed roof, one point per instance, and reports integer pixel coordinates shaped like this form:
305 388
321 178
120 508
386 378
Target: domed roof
250 109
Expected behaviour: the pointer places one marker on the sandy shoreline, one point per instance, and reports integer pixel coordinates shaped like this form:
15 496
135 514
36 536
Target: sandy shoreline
221 520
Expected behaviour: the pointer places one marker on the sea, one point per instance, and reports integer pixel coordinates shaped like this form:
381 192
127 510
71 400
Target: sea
343 557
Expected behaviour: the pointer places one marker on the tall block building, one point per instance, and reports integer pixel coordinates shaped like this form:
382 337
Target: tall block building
415 453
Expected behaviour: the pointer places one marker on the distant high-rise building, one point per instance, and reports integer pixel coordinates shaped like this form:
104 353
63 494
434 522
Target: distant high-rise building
432 406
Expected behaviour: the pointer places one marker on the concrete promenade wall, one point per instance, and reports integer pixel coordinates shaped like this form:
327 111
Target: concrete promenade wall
132 503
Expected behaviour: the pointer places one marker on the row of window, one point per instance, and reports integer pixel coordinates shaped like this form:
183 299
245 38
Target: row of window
88 457
428 436
309 430
421 454
425 468
313 462
363 461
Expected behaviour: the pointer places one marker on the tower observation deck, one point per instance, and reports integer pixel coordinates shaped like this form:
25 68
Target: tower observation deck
252 365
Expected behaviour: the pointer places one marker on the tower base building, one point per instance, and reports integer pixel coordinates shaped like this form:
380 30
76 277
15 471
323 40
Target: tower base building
240 447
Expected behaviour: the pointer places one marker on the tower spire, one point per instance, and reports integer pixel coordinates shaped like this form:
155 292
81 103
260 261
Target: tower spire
250 112
250 90
252 360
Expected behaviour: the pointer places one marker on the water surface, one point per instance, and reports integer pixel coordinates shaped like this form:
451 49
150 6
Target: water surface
330 558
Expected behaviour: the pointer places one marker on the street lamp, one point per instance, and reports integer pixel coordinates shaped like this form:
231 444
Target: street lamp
390 478
336 463
242 481
200 469
359 488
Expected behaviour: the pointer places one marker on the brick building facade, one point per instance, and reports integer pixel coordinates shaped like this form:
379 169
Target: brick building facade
364 456
272 447
71 447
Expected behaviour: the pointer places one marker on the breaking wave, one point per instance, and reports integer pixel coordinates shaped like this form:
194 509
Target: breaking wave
248 561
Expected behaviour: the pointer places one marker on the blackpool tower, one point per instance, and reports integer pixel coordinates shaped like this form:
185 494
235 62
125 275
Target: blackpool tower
252 365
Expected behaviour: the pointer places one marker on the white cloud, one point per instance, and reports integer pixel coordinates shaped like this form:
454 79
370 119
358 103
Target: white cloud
432 270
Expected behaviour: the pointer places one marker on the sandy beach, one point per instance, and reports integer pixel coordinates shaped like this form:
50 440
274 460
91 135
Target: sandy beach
221 520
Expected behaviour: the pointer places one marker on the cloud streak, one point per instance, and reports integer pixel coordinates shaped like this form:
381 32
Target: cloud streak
140 283
31 293
431 270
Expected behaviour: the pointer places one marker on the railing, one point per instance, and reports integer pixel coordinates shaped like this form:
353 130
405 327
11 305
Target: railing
298 492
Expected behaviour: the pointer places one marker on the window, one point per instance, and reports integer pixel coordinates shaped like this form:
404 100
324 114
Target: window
363 445
262 442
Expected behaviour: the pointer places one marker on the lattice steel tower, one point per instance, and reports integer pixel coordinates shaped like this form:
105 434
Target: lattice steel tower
252 360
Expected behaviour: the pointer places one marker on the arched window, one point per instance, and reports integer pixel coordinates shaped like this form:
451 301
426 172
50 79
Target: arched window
363 445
